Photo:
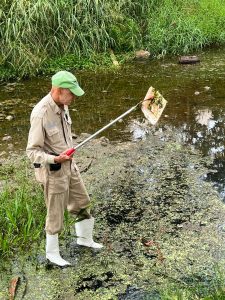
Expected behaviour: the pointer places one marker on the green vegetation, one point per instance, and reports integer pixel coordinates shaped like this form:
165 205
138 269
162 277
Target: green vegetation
196 291
22 210
42 36
186 26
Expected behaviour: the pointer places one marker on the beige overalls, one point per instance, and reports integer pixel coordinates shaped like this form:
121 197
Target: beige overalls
50 135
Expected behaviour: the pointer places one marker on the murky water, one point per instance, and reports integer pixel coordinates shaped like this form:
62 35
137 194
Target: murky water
195 94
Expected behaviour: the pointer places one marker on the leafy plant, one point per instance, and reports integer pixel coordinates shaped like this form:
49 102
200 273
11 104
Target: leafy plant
41 35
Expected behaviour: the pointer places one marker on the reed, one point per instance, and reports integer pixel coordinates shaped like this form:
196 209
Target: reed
22 210
36 31
182 27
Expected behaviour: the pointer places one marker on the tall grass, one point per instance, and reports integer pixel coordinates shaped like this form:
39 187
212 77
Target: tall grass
213 289
22 209
32 32
181 27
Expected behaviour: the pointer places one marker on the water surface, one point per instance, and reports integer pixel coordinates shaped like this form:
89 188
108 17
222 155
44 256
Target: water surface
195 94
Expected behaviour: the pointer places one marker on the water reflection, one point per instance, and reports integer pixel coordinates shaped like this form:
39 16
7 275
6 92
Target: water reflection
206 133
204 116
138 130
217 175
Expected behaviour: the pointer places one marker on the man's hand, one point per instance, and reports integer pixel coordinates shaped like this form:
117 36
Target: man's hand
62 157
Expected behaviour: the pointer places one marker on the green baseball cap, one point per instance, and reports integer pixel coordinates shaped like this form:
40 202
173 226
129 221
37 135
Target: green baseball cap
67 80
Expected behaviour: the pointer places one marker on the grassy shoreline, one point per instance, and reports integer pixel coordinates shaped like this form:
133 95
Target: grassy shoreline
70 62
38 37
22 208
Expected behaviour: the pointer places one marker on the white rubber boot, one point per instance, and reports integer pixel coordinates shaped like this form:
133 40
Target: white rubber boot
84 231
52 250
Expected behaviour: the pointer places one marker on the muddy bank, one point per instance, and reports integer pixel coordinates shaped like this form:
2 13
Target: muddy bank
159 220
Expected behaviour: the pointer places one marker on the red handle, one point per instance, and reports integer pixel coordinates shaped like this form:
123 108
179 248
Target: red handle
70 151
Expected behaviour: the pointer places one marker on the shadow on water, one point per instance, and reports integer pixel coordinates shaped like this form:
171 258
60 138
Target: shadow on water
195 94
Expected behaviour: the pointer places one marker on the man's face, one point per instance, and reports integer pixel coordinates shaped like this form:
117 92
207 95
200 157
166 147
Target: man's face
66 96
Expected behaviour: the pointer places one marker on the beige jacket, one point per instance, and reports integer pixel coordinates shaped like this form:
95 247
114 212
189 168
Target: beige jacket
50 131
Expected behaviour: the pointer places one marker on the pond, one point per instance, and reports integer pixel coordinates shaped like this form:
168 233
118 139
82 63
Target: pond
195 110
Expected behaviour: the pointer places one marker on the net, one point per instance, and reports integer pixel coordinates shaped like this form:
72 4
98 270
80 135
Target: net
153 105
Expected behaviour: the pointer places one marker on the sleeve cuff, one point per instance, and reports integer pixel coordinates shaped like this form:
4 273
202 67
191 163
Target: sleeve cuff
50 159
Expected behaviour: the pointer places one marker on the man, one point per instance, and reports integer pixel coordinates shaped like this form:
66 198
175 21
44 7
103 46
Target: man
49 139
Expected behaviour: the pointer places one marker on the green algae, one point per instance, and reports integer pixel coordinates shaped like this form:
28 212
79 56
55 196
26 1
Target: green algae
159 222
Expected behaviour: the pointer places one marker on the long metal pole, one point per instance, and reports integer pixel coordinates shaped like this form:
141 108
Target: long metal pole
106 126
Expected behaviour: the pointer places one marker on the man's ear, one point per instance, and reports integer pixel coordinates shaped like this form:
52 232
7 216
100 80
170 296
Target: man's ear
59 90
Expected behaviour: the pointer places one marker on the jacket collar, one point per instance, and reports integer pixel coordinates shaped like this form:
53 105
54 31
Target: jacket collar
54 106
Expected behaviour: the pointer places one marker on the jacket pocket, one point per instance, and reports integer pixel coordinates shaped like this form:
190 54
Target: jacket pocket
53 135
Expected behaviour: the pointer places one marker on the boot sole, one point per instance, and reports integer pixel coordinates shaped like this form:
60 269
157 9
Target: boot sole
50 265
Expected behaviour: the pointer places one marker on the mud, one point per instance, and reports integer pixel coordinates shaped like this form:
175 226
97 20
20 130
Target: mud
159 220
